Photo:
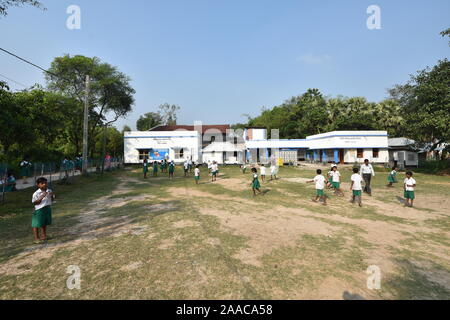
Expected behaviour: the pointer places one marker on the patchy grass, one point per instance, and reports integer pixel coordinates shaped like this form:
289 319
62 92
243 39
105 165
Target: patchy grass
161 239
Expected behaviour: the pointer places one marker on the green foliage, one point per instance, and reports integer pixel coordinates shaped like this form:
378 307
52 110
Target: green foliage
311 113
148 121
435 166
425 101
5 4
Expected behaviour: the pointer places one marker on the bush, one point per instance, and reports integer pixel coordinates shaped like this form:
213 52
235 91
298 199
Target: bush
435 166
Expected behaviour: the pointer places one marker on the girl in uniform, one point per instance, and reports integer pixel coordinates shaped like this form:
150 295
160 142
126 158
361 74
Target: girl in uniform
255 182
392 178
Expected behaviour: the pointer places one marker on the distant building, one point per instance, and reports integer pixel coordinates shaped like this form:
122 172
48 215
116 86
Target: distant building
403 153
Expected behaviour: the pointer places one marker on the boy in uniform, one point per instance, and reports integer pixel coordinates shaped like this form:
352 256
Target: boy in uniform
42 216
409 185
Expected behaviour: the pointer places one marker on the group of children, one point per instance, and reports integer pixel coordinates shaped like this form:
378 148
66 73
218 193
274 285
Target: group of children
42 199
357 185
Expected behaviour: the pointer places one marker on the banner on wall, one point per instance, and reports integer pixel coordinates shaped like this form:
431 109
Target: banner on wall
158 154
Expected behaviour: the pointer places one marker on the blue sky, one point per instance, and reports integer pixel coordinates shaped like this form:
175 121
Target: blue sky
219 59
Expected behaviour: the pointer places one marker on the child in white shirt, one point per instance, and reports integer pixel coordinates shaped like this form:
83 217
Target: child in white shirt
263 172
320 186
197 174
409 185
356 186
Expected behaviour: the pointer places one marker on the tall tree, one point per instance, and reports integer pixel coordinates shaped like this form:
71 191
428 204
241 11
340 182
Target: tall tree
148 121
111 94
426 103
5 4
168 114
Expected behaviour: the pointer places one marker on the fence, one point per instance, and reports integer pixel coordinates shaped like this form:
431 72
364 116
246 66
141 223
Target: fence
63 172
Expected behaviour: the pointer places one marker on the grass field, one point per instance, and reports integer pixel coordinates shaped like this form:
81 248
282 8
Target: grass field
159 239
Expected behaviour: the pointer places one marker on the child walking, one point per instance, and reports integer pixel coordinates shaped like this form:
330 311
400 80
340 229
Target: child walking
255 182
263 173
42 216
319 180
356 187
392 177
197 174
409 185
273 172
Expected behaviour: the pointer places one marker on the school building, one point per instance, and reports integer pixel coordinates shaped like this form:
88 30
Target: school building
336 146
203 144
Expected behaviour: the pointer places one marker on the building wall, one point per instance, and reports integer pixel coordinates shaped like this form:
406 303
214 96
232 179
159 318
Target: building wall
171 140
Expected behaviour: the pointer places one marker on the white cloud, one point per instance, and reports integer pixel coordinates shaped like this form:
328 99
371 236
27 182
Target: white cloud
314 59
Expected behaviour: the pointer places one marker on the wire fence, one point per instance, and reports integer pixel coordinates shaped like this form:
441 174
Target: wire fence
55 173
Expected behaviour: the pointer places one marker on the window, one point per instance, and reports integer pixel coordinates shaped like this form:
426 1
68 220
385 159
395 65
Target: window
376 153
143 154
360 153
179 153
330 155
213 138
235 154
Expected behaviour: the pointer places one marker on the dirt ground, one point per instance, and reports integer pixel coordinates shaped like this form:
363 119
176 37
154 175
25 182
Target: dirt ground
161 239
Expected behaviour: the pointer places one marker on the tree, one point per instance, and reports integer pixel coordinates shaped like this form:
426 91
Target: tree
110 92
148 121
168 114
426 104
5 4
446 33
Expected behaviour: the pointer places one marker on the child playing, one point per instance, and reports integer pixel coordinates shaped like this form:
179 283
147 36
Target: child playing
255 182
273 172
145 169
392 178
336 181
356 186
244 168
197 174
320 185
409 185
263 173
171 169
42 216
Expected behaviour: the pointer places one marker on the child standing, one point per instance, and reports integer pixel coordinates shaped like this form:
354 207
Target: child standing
392 178
255 182
171 169
155 168
356 186
186 168
263 173
25 167
197 174
214 171
336 181
42 216
145 169
409 185
319 179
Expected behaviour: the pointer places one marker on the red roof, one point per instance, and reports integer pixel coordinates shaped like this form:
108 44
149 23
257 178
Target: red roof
221 127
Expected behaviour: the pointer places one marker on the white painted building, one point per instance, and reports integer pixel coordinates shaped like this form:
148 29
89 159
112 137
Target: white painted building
336 146
157 145
187 143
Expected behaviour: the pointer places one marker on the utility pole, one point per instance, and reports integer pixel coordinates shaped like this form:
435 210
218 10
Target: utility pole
104 147
85 127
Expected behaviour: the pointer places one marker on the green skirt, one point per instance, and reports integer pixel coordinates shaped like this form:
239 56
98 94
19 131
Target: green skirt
145 169
392 179
42 217
409 195
256 184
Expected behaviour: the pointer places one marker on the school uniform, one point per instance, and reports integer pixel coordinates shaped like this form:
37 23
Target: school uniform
25 168
197 174
263 171
320 185
336 179
42 215
145 169
392 177
409 191
255 183
357 184
171 168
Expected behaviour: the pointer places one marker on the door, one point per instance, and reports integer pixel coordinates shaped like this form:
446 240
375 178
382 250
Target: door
341 156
